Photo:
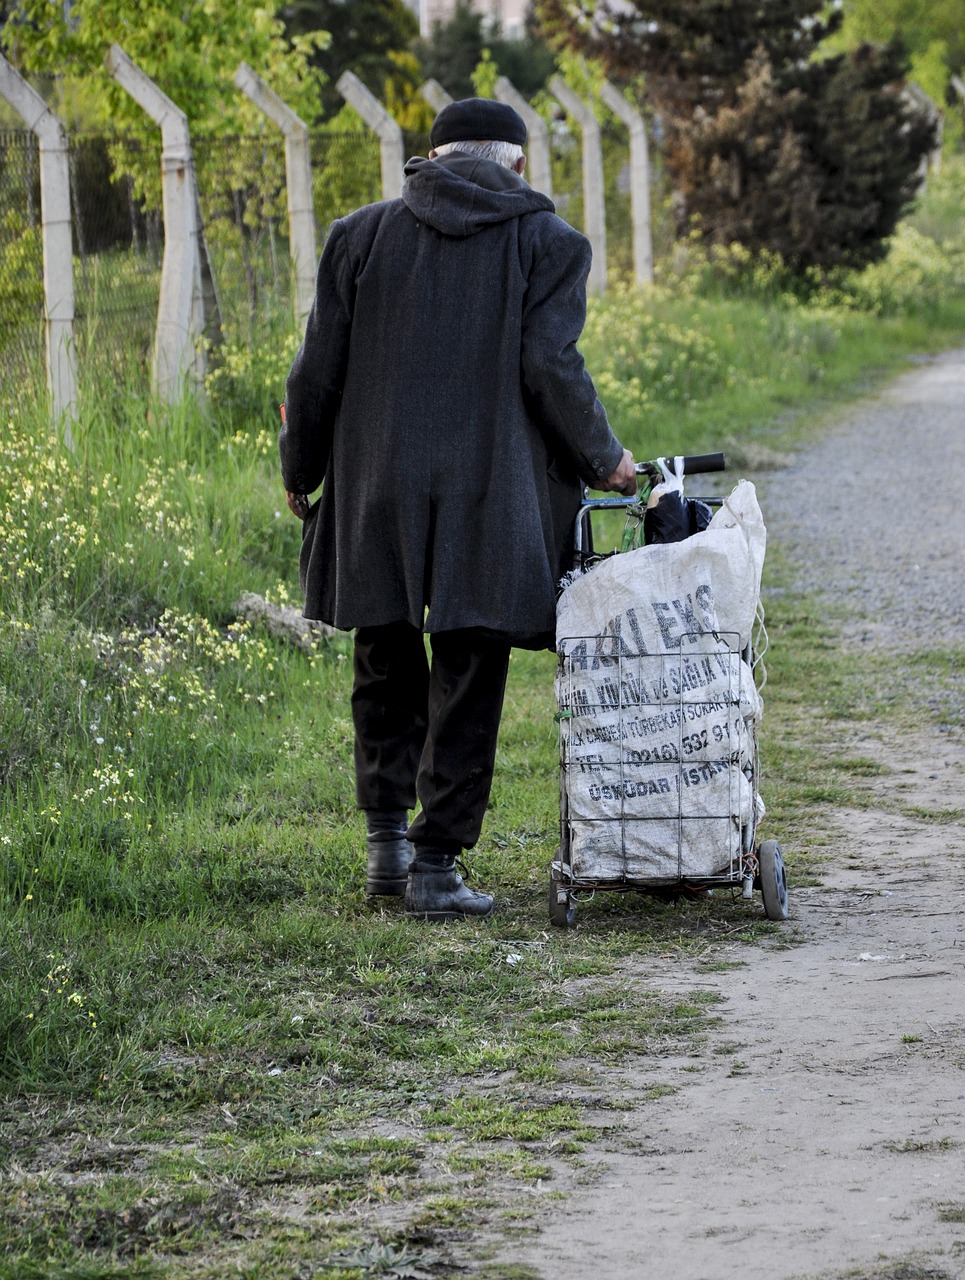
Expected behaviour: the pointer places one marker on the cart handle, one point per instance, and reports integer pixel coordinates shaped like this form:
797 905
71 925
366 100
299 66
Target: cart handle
693 464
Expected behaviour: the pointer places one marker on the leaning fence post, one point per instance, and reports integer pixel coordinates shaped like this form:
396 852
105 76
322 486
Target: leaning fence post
639 181
178 353
298 182
958 84
435 95
594 212
917 96
56 239
539 172
381 123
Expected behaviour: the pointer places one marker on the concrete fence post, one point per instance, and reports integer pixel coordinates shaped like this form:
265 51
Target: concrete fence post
958 84
178 353
435 95
539 171
381 123
639 182
916 95
594 210
298 183
56 241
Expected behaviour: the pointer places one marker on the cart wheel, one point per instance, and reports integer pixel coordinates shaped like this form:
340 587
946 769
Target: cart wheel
561 905
773 880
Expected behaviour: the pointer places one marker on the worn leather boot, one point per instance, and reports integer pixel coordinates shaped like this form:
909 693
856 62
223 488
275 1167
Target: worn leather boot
389 854
436 890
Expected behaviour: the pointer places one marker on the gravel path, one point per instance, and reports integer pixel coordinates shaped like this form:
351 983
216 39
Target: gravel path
875 514
821 1131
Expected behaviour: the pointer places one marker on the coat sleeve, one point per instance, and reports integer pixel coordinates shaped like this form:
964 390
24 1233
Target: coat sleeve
313 391
561 391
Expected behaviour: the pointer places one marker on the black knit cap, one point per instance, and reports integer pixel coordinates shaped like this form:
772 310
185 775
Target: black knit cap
477 120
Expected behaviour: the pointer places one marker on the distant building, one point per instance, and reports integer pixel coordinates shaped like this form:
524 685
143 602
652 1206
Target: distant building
509 14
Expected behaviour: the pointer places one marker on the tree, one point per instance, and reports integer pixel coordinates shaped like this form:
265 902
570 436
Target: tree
933 34
819 173
694 53
767 142
528 62
191 51
368 37
455 49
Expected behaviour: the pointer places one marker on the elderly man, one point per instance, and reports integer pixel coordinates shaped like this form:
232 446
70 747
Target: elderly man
440 396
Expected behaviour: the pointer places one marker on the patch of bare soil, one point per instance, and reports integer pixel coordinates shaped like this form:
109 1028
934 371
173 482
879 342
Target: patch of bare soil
822 1131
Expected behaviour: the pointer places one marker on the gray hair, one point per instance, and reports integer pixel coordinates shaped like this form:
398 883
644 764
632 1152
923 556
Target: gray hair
505 153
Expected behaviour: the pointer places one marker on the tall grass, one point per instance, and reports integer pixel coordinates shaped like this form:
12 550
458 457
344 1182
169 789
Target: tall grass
182 929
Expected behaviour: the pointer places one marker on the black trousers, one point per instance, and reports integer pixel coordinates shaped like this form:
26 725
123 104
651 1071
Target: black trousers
428 733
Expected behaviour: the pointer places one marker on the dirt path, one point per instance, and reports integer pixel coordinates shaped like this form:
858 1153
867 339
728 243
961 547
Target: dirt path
822 1131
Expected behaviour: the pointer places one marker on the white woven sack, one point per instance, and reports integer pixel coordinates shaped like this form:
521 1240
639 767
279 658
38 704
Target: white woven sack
657 706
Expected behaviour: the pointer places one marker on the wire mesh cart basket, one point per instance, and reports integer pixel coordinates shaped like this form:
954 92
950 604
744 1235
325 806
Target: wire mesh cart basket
658 707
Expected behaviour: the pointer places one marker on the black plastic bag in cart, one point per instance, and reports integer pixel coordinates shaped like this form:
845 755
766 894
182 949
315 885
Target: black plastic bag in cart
674 517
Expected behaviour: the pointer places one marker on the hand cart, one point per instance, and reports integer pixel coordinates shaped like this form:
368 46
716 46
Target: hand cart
659 765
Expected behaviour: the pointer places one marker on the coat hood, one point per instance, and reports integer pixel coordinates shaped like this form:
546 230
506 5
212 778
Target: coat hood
459 194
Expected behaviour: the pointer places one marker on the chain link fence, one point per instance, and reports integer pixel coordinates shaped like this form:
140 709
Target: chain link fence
118 238
118 246
566 162
21 263
242 194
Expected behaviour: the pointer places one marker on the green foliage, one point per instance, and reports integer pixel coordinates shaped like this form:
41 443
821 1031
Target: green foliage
366 37
585 76
21 273
246 380
454 50
401 97
484 76
938 213
818 171
932 34
244 206
922 270
768 142
692 52
133 524
190 51
346 169
642 355
912 278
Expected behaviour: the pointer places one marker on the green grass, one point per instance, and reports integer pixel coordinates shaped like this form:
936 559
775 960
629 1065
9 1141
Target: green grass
904 1270
762 375
216 1056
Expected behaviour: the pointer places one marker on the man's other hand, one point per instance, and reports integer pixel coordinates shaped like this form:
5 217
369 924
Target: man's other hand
299 504
624 479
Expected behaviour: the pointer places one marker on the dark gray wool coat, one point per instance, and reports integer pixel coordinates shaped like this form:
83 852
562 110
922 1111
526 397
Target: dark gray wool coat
440 396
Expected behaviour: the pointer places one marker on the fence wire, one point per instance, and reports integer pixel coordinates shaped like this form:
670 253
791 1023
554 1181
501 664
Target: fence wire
118 240
118 236
21 263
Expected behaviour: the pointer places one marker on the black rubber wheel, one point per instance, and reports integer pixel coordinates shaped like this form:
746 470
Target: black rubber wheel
561 905
773 880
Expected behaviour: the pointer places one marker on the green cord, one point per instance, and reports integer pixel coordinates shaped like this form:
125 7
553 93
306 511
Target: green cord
633 528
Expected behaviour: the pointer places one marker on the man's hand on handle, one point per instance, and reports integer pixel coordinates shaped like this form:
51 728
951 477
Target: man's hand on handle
624 478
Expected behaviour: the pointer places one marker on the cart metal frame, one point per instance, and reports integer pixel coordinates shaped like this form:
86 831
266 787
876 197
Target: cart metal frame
747 865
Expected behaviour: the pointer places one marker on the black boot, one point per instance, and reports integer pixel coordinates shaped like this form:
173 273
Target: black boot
389 853
436 890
